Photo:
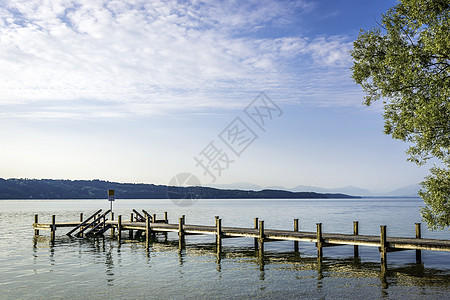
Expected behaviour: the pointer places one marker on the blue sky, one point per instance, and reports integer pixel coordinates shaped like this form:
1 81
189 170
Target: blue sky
133 91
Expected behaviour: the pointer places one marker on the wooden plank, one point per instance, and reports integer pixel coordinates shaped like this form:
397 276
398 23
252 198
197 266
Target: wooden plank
325 239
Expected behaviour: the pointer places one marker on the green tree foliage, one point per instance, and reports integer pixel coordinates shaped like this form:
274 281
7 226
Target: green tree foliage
405 62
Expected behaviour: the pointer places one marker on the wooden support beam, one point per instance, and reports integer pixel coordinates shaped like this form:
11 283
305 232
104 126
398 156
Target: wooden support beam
180 227
219 232
147 233
326 245
256 227
81 217
130 232
112 227
319 239
355 232
53 228
296 229
383 246
418 236
154 218
36 221
395 249
119 228
166 219
261 237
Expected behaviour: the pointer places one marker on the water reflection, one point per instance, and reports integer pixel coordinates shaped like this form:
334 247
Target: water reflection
296 264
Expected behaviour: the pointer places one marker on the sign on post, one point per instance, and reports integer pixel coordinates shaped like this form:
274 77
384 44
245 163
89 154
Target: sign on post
111 198
110 195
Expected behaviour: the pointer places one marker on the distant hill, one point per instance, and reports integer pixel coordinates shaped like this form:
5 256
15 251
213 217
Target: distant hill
96 189
241 186
350 190
407 191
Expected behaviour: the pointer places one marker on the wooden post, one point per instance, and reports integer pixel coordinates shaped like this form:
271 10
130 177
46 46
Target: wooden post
81 220
36 221
154 218
261 237
383 246
119 227
319 240
112 228
180 234
184 219
166 220
355 232
130 232
418 236
147 233
180 228
53 229
256 239
296 229
219 233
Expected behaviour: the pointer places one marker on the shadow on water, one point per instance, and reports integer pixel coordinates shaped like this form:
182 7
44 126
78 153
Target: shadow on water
108 251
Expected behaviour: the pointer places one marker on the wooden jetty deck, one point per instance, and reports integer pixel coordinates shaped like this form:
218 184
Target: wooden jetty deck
148 224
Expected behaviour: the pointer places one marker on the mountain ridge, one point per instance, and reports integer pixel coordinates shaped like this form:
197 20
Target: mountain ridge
406 191
96 189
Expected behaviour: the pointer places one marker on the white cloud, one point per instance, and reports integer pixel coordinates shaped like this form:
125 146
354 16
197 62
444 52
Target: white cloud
150 56
331 51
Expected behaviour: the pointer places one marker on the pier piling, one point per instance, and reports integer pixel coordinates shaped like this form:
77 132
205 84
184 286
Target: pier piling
355 232
53 228
130 232
180 227
219 233
319 243
256 239
261 237
36 221
383 245
112 228
147 233
119 228
418 236
295 229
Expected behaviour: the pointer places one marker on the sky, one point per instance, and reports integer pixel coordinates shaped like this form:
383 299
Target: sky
229 91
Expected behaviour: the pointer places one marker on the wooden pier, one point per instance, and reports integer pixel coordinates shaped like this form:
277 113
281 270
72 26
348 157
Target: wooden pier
146 224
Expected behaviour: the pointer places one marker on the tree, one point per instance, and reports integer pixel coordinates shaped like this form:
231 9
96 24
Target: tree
405 62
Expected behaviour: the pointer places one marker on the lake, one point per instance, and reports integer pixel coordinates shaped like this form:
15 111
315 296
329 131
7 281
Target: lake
71 268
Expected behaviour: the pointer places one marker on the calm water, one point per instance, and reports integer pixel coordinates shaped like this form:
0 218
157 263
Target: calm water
101 268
